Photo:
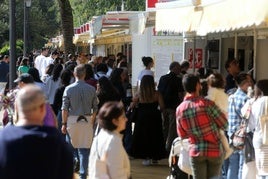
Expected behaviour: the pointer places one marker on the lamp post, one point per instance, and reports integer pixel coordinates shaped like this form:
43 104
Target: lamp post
27 5
12 43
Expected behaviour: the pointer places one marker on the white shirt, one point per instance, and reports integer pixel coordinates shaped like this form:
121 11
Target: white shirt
257 110
41 62
144 72
117 159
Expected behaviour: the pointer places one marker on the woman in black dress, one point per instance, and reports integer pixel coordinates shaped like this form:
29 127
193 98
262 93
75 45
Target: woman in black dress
148 141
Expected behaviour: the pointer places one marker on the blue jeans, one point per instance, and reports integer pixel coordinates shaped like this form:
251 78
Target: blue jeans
83 157
236 161
74 150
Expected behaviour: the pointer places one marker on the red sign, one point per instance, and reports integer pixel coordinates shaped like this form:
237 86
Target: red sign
151 3
198 57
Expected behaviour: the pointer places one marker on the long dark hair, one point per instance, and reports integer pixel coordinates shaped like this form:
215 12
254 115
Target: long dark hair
57 72
106 91
35 74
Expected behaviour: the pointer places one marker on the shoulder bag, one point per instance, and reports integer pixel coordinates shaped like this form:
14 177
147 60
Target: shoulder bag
239 136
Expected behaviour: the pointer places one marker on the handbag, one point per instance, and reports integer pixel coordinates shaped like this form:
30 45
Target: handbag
184 158
132 113
80 130
239 136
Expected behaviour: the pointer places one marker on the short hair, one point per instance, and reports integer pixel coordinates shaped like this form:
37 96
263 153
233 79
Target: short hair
173 65
185 64
29 97
108 112
80 71
228 62
189 82
241 78
44 49
216 80
55 52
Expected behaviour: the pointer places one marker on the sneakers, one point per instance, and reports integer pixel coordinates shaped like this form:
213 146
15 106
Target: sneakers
228 153
146 162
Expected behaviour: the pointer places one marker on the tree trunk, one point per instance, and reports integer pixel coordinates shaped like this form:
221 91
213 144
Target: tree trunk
67 26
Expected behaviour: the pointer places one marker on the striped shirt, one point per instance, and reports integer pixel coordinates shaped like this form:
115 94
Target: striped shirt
236 102
79 98
199 119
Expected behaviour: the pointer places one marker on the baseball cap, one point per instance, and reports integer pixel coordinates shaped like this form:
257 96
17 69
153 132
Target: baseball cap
25 78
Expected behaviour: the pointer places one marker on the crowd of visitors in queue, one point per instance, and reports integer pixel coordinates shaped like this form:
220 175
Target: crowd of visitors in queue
205 108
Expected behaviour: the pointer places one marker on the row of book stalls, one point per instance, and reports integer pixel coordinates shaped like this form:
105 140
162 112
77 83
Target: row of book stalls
204 32
214 30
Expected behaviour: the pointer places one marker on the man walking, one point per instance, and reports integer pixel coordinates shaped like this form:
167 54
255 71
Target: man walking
41 61
79 102
29 149
170 87
199 120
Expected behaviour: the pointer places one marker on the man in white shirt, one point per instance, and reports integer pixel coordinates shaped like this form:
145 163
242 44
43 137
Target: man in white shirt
41 61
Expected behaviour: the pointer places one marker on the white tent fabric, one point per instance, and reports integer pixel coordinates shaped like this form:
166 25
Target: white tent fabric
218 17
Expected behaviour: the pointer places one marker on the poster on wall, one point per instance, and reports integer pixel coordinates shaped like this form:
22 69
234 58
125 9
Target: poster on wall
198 56
166 49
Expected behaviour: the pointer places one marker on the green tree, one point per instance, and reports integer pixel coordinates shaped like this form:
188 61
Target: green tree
4 22
84 10
43 22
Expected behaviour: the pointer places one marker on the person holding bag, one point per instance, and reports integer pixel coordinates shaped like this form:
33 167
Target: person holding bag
257 123
235 102
108 158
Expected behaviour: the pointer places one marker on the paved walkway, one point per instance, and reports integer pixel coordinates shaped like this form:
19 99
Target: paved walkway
138 171
158 171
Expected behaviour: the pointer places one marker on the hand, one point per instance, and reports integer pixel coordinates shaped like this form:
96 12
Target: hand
63 129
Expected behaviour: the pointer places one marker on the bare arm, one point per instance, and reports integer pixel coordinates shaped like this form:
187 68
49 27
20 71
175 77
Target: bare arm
160 101
64 121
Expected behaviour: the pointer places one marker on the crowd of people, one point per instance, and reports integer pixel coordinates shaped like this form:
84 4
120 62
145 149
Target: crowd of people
83 101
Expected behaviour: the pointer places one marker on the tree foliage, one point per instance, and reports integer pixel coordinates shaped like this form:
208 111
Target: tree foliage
43 22
84 10
47 18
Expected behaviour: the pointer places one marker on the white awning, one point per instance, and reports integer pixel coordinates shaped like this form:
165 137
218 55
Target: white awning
218 17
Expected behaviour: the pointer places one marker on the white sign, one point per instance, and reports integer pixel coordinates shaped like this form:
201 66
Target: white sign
166 49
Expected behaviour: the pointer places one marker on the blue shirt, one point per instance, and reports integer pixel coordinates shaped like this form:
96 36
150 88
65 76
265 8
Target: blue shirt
79 98
235 104
4 69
